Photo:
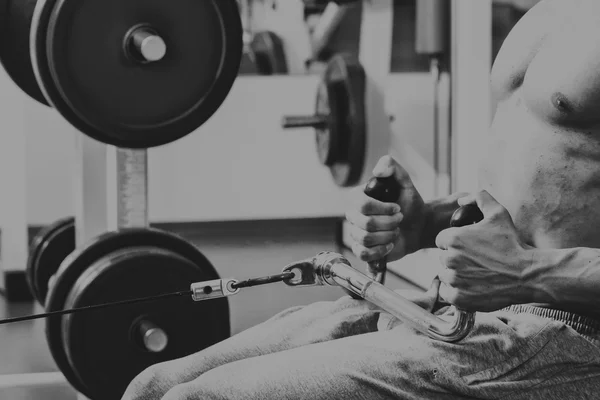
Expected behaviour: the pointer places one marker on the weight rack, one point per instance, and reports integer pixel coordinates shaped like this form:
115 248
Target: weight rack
104 174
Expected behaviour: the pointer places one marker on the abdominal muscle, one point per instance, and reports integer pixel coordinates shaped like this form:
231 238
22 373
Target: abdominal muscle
541 174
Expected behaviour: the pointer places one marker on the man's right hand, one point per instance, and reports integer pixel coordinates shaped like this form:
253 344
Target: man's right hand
393 229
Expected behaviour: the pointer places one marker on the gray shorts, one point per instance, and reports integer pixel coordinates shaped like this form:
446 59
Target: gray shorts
348 350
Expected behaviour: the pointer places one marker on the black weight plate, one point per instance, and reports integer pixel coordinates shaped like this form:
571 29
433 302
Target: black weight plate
329 140
83 257
15 22
88 78
269 53
348 79
105 348
47 251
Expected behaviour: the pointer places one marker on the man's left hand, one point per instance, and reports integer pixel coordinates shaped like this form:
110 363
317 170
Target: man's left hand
485 261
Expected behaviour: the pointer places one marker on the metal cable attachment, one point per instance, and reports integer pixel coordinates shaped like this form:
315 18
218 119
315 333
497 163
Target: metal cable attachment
333 269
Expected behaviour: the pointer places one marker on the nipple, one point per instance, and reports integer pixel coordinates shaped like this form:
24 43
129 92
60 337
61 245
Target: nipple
560 101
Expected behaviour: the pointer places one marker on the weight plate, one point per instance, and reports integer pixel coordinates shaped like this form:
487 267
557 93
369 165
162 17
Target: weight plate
347 78
15 22
81 59
329 140
106 348
269 53
47 251
83 257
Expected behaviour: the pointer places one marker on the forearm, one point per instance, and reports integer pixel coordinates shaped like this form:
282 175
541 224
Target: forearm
565 277
439 212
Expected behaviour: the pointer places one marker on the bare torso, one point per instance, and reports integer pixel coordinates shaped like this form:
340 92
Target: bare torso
543 159
543 162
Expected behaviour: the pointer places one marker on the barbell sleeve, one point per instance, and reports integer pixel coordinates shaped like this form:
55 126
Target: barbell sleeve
304 121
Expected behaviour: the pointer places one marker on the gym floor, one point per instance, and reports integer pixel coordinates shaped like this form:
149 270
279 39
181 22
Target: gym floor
236 249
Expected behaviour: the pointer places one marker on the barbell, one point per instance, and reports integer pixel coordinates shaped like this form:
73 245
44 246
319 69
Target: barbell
339 120
129 73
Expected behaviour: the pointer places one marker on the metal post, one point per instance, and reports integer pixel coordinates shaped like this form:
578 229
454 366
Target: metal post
13 200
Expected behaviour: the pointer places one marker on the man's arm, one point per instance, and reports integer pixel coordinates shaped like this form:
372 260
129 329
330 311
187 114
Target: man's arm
566 277
438 217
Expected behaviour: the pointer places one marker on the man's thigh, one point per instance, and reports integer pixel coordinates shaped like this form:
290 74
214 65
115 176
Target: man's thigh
505 356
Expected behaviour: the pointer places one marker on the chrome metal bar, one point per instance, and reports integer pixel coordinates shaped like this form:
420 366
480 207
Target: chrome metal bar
333 269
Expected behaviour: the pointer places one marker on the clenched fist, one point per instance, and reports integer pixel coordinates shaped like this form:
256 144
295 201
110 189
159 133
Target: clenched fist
393 229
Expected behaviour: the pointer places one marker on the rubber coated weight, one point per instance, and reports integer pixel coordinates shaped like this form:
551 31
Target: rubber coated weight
104 245
47 251
329 139
346 79
106 348
15 22
85 60
269 53
339 120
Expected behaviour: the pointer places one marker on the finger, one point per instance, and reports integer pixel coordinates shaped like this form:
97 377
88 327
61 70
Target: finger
448 277
448 294
447 239
374 223
488 205
387 166
370 206
434 288
369 254
467 199
370 239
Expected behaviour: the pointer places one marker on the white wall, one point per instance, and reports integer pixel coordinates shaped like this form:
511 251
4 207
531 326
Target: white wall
239 165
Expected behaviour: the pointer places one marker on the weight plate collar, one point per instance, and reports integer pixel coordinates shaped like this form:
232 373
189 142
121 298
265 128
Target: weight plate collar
81 63
85 256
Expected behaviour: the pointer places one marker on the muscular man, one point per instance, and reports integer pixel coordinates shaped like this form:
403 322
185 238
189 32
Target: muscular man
531 267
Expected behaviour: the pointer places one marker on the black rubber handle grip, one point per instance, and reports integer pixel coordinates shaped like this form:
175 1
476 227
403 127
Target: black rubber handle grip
466 215
386 190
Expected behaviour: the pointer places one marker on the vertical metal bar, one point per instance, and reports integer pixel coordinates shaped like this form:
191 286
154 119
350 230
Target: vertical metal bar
92 186
132 188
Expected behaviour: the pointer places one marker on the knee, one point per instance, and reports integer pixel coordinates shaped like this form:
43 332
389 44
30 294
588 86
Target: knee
149 384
